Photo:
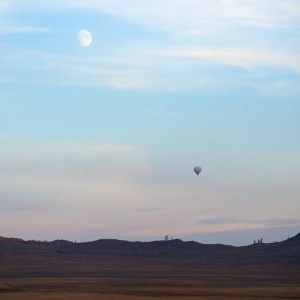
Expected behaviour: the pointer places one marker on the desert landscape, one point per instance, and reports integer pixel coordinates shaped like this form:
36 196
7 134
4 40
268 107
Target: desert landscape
144 145
114 269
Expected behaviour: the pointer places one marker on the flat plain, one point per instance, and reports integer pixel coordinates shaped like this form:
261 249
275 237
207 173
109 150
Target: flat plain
111 269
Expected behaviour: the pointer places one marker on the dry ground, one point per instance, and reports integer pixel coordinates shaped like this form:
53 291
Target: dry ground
110 276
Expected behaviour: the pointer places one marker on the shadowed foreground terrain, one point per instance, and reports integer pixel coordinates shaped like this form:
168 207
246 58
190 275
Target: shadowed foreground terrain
112 269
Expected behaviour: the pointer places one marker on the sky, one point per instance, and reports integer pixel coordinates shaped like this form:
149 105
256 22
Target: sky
101 141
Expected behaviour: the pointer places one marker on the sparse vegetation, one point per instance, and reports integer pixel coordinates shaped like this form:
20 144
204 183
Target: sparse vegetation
141 271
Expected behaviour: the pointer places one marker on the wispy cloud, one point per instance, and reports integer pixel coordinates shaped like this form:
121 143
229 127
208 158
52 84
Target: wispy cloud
178 15
74 150
241 57
282 222
23 29
149 209
183 16
122 73
218 221
141 72
265 223
6 6
43 168
191 34
31 208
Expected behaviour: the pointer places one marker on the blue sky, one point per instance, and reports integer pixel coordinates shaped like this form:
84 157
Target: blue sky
101 141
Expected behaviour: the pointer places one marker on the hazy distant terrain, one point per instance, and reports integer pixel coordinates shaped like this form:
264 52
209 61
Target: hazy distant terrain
113 269
174 248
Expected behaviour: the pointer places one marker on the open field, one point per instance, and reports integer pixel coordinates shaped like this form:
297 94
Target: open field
256 272
97 276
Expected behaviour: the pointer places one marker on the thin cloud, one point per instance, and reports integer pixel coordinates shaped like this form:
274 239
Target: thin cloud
181 15
5 6
149 209
73 151
31 208
228 28
282 222
140 73
240 57
23 29
123 73
62 167
218 221
244 236
231 220
279 87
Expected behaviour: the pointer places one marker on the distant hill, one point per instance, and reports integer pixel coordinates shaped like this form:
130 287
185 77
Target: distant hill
5 239
295 239
171 248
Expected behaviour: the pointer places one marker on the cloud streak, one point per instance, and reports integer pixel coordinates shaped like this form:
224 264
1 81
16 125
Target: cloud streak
23 29
241 57
149 209
274 222
73 164
181 15
73 151
128 73
30 208
192 36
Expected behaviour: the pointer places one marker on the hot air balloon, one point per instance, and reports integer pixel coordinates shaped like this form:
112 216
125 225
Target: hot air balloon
197 170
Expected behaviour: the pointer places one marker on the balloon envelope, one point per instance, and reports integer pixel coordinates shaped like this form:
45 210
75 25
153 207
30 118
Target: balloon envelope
197 170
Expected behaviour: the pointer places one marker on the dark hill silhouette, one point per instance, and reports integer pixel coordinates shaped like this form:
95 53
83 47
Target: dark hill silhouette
294 239
171 248
171 269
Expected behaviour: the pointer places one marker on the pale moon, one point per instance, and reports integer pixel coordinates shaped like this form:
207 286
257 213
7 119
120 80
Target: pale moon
84 38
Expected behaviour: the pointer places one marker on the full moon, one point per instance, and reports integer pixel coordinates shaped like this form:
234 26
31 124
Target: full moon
84 38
